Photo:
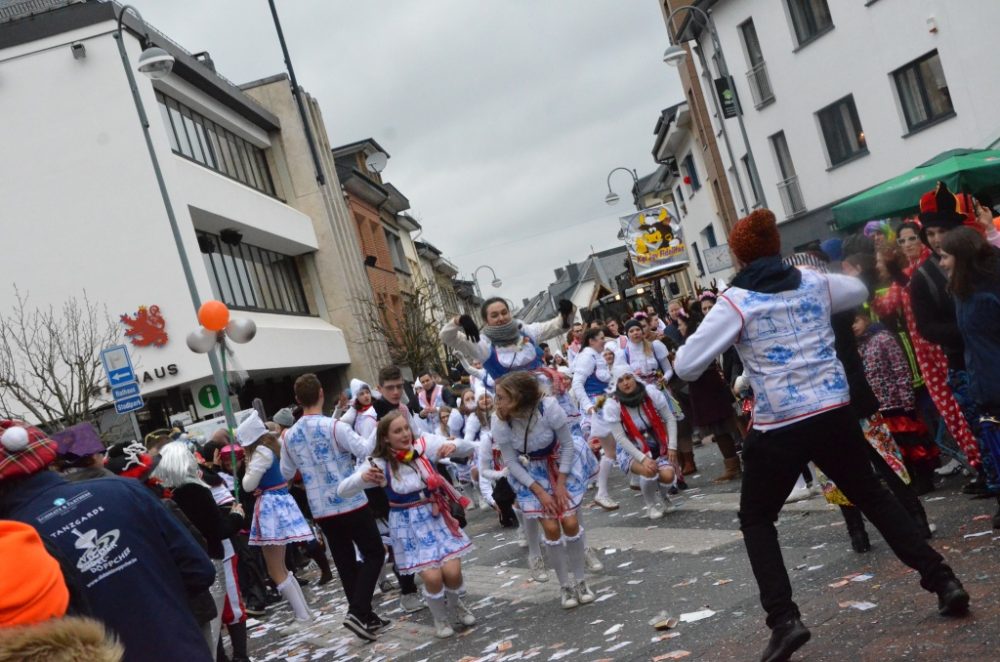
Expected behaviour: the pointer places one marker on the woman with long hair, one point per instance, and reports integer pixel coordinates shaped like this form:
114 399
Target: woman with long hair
645 431
591 378
427 538
648 359
277 520
899 267
549 473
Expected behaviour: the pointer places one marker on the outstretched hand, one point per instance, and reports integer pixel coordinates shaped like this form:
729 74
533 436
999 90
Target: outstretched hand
566 309
469 327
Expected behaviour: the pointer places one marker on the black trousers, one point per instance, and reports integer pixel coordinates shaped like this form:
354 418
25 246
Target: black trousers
342 533
773 461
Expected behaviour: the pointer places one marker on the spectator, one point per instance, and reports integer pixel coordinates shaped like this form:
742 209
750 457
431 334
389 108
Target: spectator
81 453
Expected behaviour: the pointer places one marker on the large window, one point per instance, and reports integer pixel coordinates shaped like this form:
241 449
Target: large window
810 18
251 278
788 187
923 91
842 132
691 173
202 140
396 251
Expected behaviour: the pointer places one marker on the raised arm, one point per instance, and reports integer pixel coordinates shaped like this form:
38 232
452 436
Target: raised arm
717 332
542 331
454 337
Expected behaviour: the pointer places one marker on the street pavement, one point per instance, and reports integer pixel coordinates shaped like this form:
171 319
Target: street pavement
692 566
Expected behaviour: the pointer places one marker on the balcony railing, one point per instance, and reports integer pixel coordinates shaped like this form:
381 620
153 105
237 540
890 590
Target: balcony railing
791 196
760 85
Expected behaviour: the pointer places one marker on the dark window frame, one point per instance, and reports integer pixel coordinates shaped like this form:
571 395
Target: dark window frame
831 123
691 170
802 10
924 98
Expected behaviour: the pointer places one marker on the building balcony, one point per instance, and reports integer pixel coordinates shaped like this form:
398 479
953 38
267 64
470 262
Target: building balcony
791 196
760 86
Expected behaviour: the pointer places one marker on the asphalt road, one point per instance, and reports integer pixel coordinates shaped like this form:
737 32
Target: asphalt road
691 561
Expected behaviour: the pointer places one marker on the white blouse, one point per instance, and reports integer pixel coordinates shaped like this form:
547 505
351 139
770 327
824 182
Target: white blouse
548 423
612 412
645 366
588 362
406 479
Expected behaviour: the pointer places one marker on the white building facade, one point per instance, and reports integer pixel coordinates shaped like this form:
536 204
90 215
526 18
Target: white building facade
838 96
82 210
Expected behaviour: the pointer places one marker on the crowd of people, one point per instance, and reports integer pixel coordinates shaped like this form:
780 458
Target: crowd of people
855 364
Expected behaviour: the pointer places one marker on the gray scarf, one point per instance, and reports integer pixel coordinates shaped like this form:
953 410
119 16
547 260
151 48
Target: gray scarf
504 334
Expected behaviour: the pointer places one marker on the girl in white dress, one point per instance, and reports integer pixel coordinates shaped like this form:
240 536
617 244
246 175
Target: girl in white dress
426 538
549 474
360 414
645 432
649 360
591 379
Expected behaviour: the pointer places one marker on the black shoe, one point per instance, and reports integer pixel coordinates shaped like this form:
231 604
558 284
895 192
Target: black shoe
254 609
673 490
786 638
376 623
952 598
681 484
357 626
272 597
976 488
302 582
996 519
325 578
860 542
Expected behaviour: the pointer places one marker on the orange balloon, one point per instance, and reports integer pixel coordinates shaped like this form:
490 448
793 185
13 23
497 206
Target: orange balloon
213 315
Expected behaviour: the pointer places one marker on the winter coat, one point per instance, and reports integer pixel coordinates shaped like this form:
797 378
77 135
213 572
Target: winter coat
887 370
979 321
68 639
934 310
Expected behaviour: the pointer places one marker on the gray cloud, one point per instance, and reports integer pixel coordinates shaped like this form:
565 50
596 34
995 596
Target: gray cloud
503 117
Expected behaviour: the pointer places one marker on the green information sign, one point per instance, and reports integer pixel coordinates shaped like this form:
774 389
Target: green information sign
208 396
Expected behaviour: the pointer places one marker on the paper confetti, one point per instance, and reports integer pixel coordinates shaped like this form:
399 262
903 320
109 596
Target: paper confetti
722 582
613 629
855 604
686 582
672 655
839 584
693 616
977 534
862 578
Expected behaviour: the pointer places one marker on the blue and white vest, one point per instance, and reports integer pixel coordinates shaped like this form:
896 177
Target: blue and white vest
787 348
527 357
323 464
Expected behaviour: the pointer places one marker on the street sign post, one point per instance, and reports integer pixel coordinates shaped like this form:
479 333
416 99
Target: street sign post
124 385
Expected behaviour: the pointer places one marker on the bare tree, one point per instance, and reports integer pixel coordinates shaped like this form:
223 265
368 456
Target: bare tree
50 359
409 332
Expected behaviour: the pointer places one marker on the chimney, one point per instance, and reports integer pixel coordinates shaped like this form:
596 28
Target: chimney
573 270
559 272
205 59
524 302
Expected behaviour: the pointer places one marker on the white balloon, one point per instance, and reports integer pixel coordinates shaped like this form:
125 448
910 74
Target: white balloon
201 341
241 330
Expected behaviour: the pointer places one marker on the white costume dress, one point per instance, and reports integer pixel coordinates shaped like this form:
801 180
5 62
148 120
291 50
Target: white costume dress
643 365
525 354
277 519
591 379
420 539
627 449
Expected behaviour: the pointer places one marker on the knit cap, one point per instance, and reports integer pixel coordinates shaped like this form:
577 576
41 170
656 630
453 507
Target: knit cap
755 236
284 417
24 449
36 592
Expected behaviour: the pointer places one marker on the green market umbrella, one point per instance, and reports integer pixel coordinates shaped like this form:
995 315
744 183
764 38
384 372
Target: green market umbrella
962 170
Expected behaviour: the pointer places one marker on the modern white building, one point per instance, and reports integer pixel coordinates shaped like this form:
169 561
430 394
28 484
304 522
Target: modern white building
838 96
82 211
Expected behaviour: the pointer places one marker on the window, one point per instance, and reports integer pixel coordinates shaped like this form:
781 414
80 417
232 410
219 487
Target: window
810 18
205 142
691 173
923 91
697 258
708 234
760 84
754 184
396 251
842 132
751 43
251 278
788 187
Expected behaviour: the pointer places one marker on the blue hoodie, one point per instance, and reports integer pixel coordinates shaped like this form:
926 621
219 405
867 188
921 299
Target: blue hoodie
137 563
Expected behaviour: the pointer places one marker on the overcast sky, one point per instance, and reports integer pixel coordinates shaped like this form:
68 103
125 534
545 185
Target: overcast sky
502 117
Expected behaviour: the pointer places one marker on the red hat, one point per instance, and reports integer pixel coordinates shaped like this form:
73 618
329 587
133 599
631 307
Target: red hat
941 208
755 236
24 449
37 591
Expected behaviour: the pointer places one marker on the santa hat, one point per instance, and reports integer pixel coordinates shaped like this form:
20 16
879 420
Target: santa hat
755 236
251 429
36 591
24 449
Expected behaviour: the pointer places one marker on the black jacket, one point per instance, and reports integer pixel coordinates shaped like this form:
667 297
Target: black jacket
934 310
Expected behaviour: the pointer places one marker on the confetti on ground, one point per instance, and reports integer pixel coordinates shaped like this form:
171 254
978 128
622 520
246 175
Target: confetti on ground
839 584
977 534
819 546
664 637
719 558
937 498
692 616
862 578
600 620
558 655
504 646
613 629
605 597
625 565
722 582
617 646
814 567
633 582
978 518
860 605
672 655
609 551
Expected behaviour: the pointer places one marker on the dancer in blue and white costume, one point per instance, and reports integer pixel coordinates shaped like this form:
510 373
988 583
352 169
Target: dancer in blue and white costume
466 472
426 538
591 382
360 414
548 472
277 519
645 431
649 360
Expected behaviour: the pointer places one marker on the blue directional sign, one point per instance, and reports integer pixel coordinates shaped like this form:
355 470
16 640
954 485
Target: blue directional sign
121 378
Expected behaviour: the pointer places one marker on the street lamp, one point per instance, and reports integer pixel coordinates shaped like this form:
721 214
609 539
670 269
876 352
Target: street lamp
612 198
496 282
157 63
675 53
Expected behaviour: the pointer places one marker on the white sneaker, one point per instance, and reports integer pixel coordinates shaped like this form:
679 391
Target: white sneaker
607 503
583 594
443 630
668 505
593 561
568 598
411 602
655 511
463 614
538 572
950 469
799 494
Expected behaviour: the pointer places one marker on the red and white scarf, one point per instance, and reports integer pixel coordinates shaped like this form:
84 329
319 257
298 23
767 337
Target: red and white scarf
655 422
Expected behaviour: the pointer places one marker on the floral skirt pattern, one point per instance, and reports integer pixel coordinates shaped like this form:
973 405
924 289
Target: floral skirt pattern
277 520
879 438
422 540
583 471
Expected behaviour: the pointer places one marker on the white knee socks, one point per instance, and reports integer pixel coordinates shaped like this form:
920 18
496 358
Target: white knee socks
575 551
436 604
556 556
532 533
292 592
602 478
650 490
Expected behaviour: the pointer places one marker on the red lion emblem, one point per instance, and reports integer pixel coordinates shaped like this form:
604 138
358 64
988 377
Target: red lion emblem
147 327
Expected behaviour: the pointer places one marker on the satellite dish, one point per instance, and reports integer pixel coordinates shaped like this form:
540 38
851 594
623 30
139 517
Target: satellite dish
376 162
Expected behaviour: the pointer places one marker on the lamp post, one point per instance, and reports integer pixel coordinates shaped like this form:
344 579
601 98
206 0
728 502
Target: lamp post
612 198
157 63
495 283
675 53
